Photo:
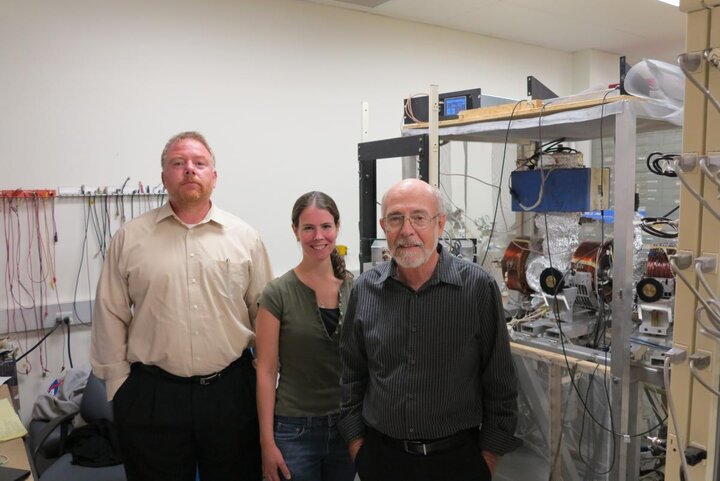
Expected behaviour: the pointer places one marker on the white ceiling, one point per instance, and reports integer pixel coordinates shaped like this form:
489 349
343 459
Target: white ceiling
635 28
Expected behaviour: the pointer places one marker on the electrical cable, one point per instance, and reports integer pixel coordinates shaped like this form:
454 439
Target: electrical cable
706 170
107 231
660 164
408 109
556 313
544 174
68 345
714 333
122 200
62 328
30 262
638 340
696 375
95 218
556 455
694 192
83 260
535 160
502 170
601 326
561 337
468 176
591 377
715 318
38 343
33 259
671 212
551 147
647 225
466 168
681 61
701 275
654 406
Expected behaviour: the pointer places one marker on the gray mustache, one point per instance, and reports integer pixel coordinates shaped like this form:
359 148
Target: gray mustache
409 244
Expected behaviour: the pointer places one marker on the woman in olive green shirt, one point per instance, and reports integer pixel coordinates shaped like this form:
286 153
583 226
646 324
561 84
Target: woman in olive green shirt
298 329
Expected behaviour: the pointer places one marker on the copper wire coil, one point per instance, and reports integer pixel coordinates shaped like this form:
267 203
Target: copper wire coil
658 264
514 263
596 260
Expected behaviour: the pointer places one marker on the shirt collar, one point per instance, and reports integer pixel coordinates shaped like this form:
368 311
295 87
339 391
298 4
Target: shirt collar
446 270
214 215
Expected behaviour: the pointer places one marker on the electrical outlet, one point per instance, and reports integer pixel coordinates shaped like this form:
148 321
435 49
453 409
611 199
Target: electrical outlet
61 315
69 190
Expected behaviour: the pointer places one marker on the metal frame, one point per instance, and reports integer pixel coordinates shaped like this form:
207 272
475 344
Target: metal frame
368 155
624 68
537 90
627 454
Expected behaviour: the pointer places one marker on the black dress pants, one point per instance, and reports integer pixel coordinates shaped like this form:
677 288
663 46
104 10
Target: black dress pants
169 427
378 460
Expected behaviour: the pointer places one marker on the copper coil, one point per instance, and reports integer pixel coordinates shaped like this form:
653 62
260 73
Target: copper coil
658 264
595 259
513 264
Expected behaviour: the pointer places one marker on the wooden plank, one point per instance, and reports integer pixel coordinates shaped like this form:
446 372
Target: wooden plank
526 109
588 367
515 109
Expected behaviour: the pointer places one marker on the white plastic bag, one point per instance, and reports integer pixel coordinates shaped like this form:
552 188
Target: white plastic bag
660 81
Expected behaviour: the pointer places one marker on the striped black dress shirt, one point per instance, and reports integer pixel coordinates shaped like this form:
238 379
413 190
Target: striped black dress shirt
426 364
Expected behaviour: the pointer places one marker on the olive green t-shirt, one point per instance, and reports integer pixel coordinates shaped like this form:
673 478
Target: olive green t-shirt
309 383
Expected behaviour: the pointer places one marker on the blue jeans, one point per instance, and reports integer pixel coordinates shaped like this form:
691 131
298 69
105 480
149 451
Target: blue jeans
313 448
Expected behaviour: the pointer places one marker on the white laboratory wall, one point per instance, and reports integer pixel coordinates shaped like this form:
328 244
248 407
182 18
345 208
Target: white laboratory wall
594 70
90 91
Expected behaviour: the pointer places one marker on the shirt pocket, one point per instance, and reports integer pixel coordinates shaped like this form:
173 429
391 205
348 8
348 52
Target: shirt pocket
231 278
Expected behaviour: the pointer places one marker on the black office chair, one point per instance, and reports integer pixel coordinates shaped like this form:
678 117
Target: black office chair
93 407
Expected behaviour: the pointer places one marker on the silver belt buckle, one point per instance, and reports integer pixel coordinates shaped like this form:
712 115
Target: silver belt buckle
204 381
407 446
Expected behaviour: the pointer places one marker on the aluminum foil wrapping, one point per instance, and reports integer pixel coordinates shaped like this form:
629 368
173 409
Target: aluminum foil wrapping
534 267
639 255
559 240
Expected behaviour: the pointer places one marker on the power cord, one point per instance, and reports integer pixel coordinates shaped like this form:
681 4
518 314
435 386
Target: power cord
502 171
54 328
661 164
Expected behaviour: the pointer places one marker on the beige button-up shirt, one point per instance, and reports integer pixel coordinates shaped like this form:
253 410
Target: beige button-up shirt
183 299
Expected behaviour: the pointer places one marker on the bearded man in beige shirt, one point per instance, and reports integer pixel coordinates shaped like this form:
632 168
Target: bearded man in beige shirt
173 318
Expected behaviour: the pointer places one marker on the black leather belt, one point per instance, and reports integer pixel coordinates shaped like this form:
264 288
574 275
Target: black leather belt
206 380
434 446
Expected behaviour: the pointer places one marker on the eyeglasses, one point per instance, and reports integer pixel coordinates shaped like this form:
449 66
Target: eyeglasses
418 221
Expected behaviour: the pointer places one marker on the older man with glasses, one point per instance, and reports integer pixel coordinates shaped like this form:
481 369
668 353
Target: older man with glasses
429 387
